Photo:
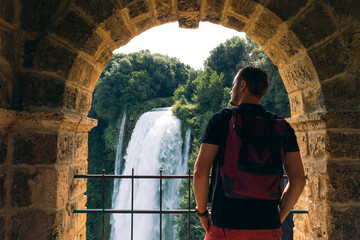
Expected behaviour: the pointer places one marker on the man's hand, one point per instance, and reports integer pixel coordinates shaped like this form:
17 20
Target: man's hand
205 221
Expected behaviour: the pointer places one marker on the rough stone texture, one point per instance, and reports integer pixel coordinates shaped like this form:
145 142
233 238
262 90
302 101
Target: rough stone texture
72 146
145 24
324 61
85 102
7 48
84 73
289 43
92 44
3 193
36 15
189 20
75 221
138 8
73 28
6 88
344 181
313 25
214 11
3 147
285 9
296 103
117 29
27 150
32 225
52 57
264 28
165 12
243 7
77 185
7 11
342 93
345 221
299 74
189 5
21 192
98 10
343 144
234 23
313 99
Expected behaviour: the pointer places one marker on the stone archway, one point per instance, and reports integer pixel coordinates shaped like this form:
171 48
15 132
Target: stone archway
52 53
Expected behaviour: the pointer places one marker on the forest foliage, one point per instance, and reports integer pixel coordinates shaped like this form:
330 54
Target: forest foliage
141 81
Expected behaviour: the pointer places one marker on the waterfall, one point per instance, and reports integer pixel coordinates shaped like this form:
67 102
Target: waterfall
118 157
155 144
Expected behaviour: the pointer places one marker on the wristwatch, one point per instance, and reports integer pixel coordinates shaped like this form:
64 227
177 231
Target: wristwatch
201 214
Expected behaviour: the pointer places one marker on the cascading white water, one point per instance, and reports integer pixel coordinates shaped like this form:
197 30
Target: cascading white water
155 144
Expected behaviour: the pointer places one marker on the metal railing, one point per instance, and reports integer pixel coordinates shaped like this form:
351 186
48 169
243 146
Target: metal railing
161 211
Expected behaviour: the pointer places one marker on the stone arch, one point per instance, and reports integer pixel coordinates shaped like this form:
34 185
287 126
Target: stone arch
52 53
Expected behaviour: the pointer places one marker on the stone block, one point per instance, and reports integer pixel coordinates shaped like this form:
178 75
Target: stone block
351 38
314 25
342 94
290 44
84 73
325 63
345 10
20 191
73 28
6 89
299 74
313 99
344 222
2 226
3 194
145 24
92 8
76 221
77 185
3 147
92 44
69 97
344 181
7 46
214 11
317 143
34 148
85 99
234 23
7 13
117 28
81 145
264 28
34 224
189 5
138 8
285 9
105 56
165 11
303 143
343 144
189 20
276 55
296 103
243 7
66 147
36 15
81 235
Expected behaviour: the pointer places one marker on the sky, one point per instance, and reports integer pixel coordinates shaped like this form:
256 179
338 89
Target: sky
190 46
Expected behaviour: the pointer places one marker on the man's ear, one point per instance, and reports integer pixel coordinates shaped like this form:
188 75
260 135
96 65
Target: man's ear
243 85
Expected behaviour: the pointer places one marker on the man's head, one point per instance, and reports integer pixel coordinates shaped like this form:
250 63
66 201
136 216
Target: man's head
249 85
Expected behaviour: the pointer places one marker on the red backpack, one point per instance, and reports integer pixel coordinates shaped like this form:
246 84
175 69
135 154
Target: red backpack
254 157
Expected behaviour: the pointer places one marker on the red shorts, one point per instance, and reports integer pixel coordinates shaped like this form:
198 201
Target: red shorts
218 233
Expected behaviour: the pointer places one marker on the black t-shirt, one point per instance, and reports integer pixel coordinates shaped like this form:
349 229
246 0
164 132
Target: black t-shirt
239 213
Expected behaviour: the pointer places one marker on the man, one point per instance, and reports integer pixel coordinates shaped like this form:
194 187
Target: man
242 218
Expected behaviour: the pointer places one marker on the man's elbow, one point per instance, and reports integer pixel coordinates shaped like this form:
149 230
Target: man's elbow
200 173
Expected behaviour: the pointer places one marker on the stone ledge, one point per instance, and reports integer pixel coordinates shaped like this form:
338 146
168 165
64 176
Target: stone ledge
55 121
326 120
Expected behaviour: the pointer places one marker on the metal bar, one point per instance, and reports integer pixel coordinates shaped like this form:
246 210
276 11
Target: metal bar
176 211
132 204
161 203
103 217
139 176
189 205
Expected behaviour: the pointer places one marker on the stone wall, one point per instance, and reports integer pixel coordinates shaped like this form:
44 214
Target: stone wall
52 53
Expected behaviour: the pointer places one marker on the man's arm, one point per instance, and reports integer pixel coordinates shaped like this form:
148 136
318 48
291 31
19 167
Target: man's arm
296 176
202 167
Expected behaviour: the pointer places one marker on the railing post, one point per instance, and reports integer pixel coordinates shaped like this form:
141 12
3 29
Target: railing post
161 203
189 201
132 203
103 203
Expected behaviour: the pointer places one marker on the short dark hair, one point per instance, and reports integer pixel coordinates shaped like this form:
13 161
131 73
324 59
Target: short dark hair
256 79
